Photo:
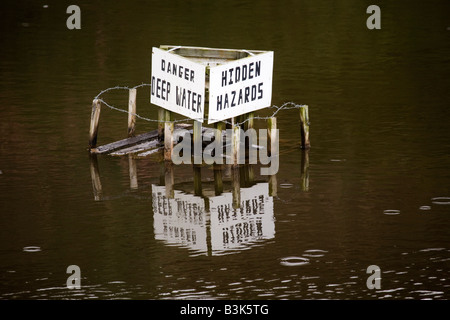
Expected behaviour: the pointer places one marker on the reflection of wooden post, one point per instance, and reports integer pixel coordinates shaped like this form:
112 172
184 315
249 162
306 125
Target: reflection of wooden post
168 180
95 116
273 185
131 112
162 173
95 177
271 134
133 172
218 183
236 188
304 127
197 180
250 175
197 137
168 137
305 170
161 118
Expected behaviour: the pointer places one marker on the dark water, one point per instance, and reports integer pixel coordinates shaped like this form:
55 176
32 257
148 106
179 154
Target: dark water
377 190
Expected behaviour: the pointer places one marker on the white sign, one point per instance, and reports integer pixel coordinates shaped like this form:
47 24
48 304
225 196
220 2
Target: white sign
240 86
178 84
239 228
181 220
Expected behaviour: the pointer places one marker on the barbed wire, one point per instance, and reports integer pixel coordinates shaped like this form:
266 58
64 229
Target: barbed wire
285 106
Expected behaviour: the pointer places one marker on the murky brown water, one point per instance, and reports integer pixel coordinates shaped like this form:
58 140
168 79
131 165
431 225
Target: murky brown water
378 173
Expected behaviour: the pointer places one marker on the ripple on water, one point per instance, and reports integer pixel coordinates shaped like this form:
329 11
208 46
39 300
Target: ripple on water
441 200
391 212
294 261
425 208
31 249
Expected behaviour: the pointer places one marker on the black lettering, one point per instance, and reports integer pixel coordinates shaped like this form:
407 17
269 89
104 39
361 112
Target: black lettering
260 90
237 74
257 69
244 72
231 76
199 103
250 70
168 67
233 104
180 71
226 104
158 87
163 65
224 78
194 101
153 86
174 69
253 92
219 102
163 88
247 94
186 74
189 99
168 91
178 96
192 75
183 103
240 97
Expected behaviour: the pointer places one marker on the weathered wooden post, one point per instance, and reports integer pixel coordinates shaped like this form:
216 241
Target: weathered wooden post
95 116
131 112
236 142
161 118
197 138
304 127
168 136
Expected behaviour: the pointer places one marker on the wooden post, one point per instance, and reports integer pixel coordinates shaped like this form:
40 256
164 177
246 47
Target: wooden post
131 112
198 141
95 177
218 183
236 141
197 180
95 116
273 185
133 172
305 170
249 123
236 188
304 127
271 133
161 118
169 180
168 136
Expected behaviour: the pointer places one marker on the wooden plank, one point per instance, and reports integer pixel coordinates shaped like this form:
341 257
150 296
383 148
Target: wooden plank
215 53
129 142
168 136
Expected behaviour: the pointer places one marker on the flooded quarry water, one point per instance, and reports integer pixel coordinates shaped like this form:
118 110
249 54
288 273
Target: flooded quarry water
373 189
